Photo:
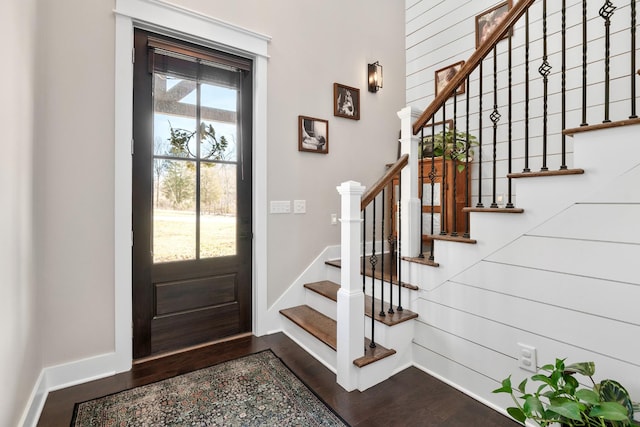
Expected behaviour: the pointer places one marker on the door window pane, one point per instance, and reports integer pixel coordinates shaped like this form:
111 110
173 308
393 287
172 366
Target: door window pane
218 219
175 116
174 213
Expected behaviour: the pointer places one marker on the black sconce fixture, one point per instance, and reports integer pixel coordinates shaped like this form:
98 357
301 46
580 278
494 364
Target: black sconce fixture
375 77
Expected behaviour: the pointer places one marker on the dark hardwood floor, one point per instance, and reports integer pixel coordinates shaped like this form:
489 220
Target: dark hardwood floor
410 398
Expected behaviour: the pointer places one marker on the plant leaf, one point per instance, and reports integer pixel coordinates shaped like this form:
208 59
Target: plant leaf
506 386
584 368
566 408
517 414
610 411
588 396
522 385
533 405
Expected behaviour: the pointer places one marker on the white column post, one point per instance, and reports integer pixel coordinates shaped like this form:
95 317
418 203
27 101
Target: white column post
411 209
350 317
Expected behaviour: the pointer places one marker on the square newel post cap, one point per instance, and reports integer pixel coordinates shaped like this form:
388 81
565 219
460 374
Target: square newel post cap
351 187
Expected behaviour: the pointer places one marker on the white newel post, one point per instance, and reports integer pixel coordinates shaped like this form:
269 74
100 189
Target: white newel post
411 209
350 316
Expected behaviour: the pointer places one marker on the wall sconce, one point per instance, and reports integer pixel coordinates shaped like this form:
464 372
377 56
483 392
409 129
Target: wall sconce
375 77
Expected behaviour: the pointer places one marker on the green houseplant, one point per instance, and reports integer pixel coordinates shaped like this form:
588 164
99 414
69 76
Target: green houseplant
451 145
559 398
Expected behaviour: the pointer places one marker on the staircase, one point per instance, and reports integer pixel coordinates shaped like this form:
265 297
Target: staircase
554 272
314 326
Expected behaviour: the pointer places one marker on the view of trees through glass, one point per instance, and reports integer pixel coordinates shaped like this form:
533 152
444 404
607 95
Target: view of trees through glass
195 162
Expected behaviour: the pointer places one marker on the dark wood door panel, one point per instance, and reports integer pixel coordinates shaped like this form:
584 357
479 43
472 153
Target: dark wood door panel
204 292
194 327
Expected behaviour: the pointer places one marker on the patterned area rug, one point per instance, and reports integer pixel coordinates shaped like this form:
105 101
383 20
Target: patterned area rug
255 390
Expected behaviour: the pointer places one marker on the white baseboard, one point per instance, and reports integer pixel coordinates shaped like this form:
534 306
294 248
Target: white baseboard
65 375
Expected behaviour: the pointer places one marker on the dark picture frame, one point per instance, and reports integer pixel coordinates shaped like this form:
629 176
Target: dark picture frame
346 101
444 75
488 20
313 135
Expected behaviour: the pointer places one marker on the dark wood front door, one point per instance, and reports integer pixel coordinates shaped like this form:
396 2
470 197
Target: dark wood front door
191 195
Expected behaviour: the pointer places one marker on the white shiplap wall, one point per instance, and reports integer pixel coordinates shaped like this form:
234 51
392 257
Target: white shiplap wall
567 285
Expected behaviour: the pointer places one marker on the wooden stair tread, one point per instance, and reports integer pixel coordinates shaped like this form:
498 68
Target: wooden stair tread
330 289
614 124
387 277
326 288
494 210
559 172
317 324
424 261
388 319
372 354
450 238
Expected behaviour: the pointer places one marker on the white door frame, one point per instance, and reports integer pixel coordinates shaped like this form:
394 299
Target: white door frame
163 17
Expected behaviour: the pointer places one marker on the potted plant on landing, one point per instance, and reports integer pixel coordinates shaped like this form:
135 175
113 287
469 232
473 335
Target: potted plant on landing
451 145
561 399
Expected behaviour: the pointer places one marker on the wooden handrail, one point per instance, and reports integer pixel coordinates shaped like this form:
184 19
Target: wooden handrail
474 60
384 181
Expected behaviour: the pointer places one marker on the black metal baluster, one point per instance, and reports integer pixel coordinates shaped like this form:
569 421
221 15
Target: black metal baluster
563 166
399 243
480 95
606 11
373 260
432 178
510 125
526 95
633 60
454 168
443 181
421 166
545 70
392 246
364 248
584 63
495 118
467 164
382 255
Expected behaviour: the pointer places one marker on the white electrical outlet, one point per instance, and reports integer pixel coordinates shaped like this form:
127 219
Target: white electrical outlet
527 358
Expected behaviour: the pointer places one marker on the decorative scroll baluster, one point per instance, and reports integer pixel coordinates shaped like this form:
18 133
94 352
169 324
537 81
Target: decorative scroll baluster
467 190
454 171
480 95
495 118
606 11
526 95
382 314
564 84
432 178
373 260
584 63
443 205
545 70
510 125
633 60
